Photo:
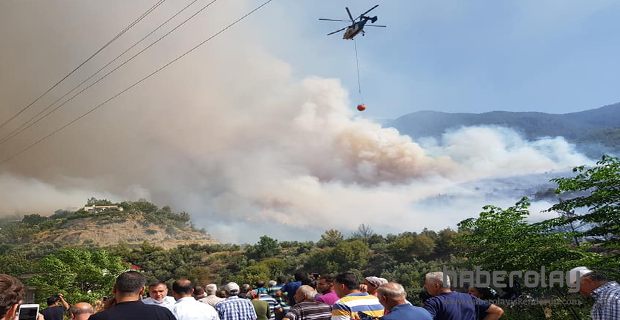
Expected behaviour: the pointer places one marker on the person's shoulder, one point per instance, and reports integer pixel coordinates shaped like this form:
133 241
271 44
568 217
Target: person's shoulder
148 300
436 300
159 312
153 308
169 299
101 315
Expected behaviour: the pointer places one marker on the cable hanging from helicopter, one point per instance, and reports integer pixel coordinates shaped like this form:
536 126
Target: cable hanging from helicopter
356 27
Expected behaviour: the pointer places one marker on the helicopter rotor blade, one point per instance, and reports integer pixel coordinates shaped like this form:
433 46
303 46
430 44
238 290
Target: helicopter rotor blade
336 31
349 13
323 19
373 8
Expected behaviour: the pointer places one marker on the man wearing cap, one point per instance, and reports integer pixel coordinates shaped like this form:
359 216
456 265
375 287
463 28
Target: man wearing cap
372 283
606 293
211 299
233 307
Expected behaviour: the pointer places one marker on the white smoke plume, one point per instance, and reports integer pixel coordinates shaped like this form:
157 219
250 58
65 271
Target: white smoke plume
231 136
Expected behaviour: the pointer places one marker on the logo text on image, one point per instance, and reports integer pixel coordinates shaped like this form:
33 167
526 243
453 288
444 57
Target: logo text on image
503 279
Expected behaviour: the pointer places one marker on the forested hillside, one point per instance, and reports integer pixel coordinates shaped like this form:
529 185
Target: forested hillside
586 232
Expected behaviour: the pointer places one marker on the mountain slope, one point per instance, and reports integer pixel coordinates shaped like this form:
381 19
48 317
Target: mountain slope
130 223
597 127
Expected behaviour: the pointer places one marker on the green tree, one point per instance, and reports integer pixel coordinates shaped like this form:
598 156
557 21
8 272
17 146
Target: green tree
265 248
502 239
33 219
98 202
410 245
80 274
596 191
351 255
330 238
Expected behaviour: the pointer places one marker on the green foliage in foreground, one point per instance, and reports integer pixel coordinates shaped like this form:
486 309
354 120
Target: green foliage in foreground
499 239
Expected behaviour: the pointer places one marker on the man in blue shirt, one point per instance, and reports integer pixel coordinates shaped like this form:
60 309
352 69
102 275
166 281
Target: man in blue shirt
394 298
446 304
291 288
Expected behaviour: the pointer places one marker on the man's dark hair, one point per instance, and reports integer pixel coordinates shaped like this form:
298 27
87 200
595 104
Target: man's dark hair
183 286
329 278
281 279
300 276
52 299
260 284
130 282
156 283
348 279
11 292
596 276
198 290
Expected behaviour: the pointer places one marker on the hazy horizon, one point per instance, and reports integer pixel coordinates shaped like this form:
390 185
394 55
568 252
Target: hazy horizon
257 131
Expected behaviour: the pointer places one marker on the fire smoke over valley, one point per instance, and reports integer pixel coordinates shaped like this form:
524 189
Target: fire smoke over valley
233 137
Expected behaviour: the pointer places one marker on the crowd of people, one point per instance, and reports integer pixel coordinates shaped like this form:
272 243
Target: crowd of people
340 297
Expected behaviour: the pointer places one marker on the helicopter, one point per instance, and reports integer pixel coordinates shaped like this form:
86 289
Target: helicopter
356 26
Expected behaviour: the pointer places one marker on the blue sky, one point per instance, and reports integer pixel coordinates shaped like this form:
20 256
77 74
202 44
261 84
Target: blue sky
238 132
459 56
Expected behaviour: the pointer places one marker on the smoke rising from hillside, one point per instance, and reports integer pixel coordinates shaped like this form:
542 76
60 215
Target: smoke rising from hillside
232 137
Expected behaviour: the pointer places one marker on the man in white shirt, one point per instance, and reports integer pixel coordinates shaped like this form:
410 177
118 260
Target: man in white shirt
158 295
186 307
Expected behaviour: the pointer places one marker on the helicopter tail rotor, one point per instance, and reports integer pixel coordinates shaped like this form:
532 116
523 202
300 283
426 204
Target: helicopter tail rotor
363 14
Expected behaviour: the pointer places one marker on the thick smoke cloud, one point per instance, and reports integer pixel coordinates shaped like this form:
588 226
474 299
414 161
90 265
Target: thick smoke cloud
231 136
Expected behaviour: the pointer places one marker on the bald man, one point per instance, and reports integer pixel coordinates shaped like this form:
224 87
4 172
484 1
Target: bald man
186 307
81 311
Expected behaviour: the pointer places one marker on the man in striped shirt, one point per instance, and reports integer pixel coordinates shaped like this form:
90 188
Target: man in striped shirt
274 305
353 303
306 308
606 293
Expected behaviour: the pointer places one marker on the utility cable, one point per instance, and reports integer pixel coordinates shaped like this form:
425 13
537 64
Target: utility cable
146 13
27 125
135 84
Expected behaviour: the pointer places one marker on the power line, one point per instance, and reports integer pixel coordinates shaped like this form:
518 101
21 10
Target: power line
29 124
146 13
136 83
25 126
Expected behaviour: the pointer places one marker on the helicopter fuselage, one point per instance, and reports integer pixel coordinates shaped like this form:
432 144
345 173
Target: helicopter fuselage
354 30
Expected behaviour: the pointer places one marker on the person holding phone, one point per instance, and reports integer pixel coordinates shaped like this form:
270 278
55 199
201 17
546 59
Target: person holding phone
11 295
56 307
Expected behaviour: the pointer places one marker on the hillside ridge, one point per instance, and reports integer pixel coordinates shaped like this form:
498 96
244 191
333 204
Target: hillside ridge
130 223
594 131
